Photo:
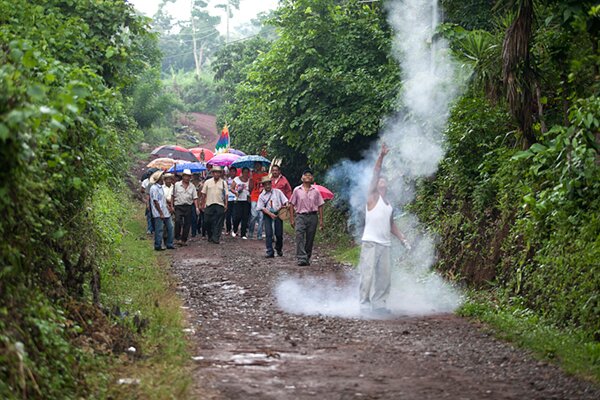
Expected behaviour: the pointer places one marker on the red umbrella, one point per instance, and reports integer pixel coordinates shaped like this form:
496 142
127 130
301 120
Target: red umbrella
174 152
326 193
201 152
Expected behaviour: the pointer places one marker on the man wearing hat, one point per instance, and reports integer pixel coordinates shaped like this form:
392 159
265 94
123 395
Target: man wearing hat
185 196
214 203
269 203
160 212
306 214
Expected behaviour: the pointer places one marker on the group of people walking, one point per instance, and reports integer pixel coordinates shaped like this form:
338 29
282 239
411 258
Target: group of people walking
261 201
243 203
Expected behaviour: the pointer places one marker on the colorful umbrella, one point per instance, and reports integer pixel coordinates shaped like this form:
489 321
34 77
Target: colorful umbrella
326 193
223 159
175 152
248 162
202 154
238 152
194 167
162 163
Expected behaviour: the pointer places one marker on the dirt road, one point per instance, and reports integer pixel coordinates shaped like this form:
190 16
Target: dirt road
205 126
246 347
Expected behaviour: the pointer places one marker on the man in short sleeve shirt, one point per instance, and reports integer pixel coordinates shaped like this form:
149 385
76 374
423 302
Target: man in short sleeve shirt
307 213
214 203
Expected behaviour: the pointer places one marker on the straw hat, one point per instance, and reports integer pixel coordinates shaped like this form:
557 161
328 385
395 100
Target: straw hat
187 172
156 176
265 179
217 168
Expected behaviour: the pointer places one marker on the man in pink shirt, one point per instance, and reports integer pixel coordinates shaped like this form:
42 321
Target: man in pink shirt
306 202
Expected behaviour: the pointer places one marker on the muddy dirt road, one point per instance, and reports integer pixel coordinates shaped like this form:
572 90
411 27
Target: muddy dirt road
246 347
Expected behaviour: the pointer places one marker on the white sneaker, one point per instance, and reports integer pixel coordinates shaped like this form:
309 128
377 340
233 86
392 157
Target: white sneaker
244 237
233 234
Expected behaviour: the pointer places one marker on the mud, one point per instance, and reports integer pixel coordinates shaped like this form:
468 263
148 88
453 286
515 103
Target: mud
245 347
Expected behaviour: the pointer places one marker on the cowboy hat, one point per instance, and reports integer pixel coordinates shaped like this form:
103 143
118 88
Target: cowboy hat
156 176
265 179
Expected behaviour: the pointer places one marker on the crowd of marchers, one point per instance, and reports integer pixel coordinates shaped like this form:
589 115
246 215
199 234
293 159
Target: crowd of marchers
259 201
244 204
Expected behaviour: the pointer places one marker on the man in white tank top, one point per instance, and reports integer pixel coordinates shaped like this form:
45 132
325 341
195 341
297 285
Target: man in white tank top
375 256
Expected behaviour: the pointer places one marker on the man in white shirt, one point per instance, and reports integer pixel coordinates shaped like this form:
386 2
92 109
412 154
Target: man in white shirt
214 204
270 201
375 255
160 212
185 197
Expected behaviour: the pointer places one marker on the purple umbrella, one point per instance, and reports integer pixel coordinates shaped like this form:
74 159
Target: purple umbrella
238 152
223 159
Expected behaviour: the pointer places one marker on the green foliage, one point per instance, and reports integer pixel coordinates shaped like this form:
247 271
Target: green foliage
321 90
137 282
576 351
523 221
151 104
475 14
66 68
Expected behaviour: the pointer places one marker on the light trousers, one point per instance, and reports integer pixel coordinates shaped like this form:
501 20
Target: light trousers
375 275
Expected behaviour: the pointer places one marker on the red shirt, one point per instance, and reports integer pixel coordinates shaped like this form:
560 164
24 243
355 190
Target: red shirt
256 185
282 184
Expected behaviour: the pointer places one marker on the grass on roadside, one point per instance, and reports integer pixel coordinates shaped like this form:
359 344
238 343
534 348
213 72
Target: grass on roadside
140 285
575 352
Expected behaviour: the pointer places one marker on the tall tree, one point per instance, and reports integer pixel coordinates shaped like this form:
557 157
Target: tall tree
204 31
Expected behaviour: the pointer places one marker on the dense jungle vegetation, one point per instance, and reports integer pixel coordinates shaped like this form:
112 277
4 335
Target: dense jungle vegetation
72 76
516 202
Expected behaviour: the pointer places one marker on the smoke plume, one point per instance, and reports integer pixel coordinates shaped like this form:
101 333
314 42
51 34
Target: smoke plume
416 140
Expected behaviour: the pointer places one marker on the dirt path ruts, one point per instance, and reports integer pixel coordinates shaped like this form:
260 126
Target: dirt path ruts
247 348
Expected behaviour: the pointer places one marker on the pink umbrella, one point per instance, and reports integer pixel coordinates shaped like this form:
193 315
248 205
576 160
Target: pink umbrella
223 159
326 193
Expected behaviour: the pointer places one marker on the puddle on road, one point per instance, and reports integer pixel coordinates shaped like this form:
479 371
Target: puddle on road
191 262
263 359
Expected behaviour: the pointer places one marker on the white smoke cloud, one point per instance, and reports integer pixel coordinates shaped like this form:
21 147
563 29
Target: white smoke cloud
416 141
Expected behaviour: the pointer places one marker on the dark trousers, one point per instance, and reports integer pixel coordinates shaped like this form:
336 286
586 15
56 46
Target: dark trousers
183 221
213 217
241 214
229 217
194 224
201 224
306 228
273 226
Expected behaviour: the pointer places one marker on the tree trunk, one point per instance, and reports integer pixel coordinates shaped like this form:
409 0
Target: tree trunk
516 70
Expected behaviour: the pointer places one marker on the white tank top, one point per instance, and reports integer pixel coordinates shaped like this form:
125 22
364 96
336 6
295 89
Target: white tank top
378 224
